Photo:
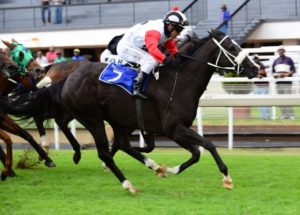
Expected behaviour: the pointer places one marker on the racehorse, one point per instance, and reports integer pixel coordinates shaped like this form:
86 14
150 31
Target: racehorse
8 81
171 109
48 107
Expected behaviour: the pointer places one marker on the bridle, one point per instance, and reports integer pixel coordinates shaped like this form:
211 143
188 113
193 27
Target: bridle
236 61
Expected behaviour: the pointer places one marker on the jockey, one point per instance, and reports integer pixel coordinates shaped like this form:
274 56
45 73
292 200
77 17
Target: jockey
109 55
141 45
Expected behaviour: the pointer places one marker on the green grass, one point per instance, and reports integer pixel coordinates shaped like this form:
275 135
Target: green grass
266 182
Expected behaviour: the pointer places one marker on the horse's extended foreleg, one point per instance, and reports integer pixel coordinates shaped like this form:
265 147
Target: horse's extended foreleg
190 140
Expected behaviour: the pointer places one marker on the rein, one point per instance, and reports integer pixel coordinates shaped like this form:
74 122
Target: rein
236 61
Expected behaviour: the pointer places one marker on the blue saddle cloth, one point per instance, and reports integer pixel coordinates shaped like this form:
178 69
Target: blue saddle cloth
119 75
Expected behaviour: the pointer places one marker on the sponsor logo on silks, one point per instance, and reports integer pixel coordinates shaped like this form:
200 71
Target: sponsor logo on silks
116 61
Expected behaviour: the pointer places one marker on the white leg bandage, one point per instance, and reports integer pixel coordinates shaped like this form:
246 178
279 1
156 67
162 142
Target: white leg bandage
173 170
151 164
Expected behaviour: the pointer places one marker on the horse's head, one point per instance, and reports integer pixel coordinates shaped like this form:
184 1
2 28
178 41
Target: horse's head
231 57
8 68
24 58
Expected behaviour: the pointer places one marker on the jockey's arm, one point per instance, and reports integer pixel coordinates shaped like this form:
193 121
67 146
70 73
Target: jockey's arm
171 47
152 39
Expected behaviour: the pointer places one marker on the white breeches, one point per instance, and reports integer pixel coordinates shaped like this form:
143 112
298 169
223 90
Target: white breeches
107 57
136 55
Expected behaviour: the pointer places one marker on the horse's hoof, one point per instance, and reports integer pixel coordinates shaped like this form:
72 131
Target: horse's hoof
128 186
76 157
133 190
12 174
162 171
3 176
50 164
227 182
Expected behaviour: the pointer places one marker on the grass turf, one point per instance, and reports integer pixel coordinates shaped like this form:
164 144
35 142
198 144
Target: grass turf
266 182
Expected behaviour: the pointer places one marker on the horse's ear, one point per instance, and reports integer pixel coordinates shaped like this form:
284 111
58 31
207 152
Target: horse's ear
13 40
8 44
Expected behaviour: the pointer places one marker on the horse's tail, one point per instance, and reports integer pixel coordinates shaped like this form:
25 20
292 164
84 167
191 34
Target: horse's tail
37 103
26 105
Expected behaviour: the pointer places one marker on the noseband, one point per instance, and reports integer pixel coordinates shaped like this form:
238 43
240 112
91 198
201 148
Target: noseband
236 61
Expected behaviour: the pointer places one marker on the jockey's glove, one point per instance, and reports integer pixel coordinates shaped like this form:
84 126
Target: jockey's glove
172 62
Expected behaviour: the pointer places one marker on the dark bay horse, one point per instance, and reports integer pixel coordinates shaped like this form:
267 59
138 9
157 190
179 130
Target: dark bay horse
8 81
171 109
48 107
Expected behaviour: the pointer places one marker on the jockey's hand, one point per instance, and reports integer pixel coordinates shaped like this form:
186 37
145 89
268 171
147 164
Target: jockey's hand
172 62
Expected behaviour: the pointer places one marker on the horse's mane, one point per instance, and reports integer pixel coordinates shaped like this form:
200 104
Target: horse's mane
194 43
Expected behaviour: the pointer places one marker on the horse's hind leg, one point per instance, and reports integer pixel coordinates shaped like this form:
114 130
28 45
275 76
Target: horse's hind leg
10 126
97 129
75 145
42 132
149 142
121 136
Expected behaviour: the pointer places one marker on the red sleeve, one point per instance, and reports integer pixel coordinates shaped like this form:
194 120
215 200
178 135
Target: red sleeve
171 47
151 39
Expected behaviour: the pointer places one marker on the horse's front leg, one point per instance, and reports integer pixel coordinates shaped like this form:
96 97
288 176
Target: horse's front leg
8 158
190 140
42 132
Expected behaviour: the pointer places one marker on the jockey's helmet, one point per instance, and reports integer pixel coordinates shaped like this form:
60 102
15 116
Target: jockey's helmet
177 19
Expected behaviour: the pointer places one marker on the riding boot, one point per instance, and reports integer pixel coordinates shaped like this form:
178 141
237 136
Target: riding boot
138 85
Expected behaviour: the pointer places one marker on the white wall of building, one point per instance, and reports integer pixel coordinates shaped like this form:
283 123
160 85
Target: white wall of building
288 32
64 39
